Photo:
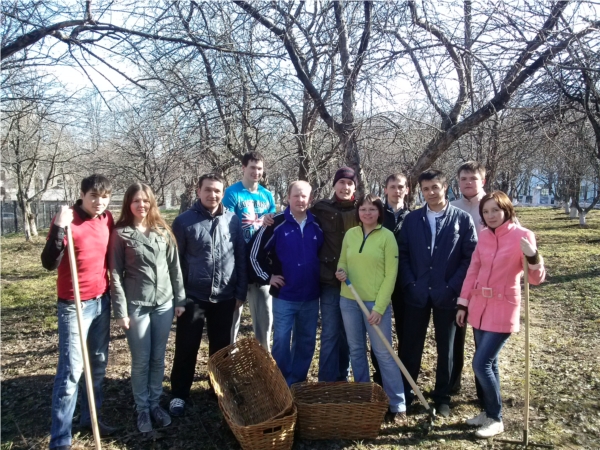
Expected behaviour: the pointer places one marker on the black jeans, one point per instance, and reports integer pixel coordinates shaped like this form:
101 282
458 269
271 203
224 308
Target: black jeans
219 318
416 321
398 308
459 359
458 364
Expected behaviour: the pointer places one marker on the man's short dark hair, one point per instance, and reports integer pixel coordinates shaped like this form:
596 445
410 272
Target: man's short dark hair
211 176
98 183
395 177
472 166
432 174
252 156
374 200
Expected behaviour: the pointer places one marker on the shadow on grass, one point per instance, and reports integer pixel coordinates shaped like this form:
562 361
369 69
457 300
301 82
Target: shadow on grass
558 279
26 418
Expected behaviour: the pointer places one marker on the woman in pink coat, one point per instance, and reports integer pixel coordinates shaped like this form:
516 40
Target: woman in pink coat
490 299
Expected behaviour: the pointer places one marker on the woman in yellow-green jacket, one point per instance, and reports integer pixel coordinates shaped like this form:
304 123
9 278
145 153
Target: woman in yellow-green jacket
369 259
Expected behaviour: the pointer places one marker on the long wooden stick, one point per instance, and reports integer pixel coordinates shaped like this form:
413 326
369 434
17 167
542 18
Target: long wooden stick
526 309
89 384
389 348
525 442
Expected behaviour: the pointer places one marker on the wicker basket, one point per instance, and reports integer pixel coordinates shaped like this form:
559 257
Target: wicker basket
339 410
253 395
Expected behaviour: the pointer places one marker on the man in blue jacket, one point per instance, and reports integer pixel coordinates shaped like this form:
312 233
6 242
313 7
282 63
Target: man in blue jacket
292 246
212 253
436 244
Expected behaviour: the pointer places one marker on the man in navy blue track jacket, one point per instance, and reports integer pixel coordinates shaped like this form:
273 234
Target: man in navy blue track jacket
285 255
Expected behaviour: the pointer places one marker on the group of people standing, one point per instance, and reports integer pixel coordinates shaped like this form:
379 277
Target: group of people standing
232 248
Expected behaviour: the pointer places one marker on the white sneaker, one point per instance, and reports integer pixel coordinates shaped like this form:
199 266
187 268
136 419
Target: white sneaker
490 428
478 420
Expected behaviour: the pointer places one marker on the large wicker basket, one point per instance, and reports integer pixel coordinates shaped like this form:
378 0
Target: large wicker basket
339 410
253 395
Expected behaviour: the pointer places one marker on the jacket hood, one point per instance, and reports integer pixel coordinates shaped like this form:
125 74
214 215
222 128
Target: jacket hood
199 207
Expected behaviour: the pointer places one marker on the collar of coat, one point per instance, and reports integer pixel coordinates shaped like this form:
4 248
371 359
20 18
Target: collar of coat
503 229
82 213
334 201
134 234
387 206
475 199
205 212
287 213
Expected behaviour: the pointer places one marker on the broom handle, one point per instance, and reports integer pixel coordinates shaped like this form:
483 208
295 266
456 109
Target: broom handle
84 352
389 348
526 308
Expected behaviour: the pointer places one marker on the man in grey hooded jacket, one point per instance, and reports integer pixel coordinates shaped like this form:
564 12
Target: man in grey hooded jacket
212 252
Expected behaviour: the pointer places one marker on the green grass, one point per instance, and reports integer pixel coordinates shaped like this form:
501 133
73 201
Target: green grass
28 290
565 360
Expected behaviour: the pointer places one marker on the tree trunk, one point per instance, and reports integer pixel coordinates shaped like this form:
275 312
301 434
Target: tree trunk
187 198
32 222
574 213
568 206
582 218
29 226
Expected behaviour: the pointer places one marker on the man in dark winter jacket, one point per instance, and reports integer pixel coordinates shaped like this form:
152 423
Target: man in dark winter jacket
292 245
396 209
436 245
212 252
336 216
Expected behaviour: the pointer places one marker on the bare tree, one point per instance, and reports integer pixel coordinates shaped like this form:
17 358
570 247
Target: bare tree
35 149
286 25
472 55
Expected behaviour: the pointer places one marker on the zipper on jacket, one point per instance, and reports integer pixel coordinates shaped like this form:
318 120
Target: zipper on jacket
212 252
365 239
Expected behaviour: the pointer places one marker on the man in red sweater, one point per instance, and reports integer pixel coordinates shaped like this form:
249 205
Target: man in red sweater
91 226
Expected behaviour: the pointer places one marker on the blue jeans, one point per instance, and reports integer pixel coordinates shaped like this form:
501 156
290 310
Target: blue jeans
96 328
334 357
295 322
485 366
357 327
148 332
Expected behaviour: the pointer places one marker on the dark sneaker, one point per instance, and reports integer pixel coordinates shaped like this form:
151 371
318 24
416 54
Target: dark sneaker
160 416
443 409
176 407
143 422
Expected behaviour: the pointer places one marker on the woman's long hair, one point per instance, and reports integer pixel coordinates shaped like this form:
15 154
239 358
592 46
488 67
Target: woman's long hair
153 220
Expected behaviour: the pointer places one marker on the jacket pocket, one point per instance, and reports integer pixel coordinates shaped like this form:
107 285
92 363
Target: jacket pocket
506 312
133 246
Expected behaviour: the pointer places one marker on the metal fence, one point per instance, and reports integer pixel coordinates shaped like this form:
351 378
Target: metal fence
12 217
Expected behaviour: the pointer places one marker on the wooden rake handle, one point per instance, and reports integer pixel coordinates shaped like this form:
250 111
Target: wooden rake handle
389 348
89 384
